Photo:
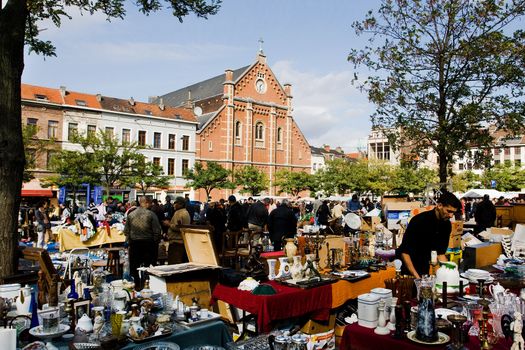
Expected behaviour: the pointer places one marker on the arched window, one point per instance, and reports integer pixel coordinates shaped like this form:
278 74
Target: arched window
259 131
259 135
279 135
238 127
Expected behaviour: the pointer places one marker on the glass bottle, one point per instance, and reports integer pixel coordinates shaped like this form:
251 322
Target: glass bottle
426 329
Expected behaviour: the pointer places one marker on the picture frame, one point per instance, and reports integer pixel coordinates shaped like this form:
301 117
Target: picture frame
80 308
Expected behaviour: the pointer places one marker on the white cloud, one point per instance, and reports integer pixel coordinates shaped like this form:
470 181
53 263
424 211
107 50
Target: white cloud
328 109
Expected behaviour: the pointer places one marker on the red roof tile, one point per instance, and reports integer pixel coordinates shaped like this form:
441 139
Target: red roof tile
30 92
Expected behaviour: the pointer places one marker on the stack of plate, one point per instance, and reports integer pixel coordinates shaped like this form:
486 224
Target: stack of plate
473 275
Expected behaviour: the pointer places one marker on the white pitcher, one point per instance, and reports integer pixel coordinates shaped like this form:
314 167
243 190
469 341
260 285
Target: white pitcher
23 301
496 289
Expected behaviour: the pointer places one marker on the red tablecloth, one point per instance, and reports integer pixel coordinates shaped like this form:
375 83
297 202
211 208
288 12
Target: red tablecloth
356 337
287 303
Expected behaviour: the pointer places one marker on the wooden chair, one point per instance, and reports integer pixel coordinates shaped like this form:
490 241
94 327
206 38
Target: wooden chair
228 256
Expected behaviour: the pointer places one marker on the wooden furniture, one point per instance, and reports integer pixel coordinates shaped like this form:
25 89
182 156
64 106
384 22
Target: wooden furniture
237 247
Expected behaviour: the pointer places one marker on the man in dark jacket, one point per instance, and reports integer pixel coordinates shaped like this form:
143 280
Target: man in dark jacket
236 219
281 223
257 215
485 214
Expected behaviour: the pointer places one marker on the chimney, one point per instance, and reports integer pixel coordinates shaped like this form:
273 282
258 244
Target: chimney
63 91
288 89
161 104
131 101
326 148
229 75
189 101
99 97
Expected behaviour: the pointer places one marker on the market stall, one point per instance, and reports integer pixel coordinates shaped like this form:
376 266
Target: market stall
69 240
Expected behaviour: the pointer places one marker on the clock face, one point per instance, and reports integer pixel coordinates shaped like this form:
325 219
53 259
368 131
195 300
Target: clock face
260 86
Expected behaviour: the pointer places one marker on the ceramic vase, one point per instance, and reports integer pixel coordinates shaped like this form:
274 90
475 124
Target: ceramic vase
73 293
297 268
290 248
284 268
271 268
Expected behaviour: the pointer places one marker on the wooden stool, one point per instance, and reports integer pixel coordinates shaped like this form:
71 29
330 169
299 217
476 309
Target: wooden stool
113 264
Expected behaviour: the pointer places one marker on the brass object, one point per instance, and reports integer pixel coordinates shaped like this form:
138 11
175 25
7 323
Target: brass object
483 327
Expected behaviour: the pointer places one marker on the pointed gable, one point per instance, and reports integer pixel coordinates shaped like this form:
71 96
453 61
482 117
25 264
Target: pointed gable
260 83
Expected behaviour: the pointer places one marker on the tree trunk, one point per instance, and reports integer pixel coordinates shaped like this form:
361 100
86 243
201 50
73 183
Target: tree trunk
12 27
443 165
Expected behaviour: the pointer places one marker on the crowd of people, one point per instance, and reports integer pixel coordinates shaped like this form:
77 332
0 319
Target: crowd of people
152 228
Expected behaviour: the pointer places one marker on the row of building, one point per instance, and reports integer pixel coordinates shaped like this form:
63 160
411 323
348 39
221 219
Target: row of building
238 118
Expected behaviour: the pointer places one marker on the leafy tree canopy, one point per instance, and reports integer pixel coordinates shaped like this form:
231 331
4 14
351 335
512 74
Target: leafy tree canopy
293 182
56 11
507 177
443 71
208 178
251 179
115 161
146 175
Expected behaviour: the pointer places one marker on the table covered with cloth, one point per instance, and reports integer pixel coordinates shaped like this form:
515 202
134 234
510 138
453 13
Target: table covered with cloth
69 240
210 333
342 291
356 337
288 302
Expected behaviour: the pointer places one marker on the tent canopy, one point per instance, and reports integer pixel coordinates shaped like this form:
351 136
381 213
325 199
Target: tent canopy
479 193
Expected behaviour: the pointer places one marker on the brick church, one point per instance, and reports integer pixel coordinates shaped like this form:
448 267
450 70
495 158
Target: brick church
245 118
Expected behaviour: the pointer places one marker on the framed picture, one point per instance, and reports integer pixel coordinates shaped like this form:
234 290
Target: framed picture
81 307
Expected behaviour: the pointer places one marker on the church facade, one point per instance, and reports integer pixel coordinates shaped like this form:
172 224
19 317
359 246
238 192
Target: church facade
245 118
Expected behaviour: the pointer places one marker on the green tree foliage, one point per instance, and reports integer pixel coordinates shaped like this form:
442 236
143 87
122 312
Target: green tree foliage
464 181
251 179
379 177
146 175
412 180
507 177
114 160
444 69
34 148
293 182
211 177
72 169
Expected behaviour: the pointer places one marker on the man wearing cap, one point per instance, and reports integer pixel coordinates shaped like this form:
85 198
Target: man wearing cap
176 250
142 232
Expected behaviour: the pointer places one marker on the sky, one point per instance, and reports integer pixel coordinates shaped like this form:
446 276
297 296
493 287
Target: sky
306 43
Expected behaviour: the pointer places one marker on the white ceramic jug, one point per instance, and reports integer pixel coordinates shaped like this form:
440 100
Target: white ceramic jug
84 324
496 289
23 302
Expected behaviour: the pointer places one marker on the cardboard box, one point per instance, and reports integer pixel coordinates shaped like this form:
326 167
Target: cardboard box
316 327
321 341
480 255
399 212
454 241
368 223
455 235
